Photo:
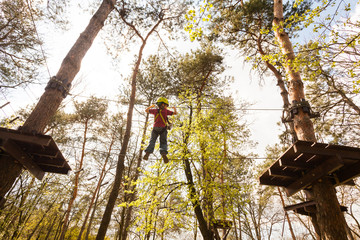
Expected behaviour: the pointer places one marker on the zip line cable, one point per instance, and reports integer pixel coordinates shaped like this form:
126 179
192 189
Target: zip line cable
234 158
235 109
239 109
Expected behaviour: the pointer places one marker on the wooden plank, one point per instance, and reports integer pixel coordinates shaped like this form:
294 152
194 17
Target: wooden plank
274 181
348 173
13 150
327 167
292 164
18 136
327 152
299 205
53 169
284 174
34 149
56 162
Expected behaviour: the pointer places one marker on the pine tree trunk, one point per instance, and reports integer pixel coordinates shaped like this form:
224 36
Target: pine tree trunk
121 158
329 217
97 189
88 230
120 166
76 184
51 99
128 210
203 226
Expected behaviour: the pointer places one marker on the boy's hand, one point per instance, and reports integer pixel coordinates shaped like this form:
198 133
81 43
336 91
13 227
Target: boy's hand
147 109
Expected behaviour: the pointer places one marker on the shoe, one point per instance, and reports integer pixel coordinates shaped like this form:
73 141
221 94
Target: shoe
165 158
146 156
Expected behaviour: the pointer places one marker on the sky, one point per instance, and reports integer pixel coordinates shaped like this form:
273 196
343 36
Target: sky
97 77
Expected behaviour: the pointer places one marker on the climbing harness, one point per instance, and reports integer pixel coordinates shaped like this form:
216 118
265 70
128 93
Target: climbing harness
168 124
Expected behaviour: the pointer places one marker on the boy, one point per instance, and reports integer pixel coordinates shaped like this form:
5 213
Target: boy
160 127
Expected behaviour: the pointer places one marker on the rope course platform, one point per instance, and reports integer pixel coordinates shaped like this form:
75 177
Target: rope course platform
38 153
307 208
304 162
225 225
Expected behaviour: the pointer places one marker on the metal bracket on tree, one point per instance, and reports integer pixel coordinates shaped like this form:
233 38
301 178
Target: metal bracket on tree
61 85
294 109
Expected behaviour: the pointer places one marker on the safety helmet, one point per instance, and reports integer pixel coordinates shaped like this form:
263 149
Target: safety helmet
162 100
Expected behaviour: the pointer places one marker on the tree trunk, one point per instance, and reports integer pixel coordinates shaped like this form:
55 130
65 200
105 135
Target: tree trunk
131 197
92 215
51 99
97 189
120 166
283 91
76 184
329 217
205 231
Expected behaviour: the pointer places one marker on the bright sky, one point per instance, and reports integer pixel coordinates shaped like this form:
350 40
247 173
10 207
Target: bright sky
100 79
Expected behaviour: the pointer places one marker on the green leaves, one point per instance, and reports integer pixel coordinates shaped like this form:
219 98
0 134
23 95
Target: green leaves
194 19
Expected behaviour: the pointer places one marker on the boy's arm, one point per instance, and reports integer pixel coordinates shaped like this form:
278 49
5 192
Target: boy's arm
175 112
147 110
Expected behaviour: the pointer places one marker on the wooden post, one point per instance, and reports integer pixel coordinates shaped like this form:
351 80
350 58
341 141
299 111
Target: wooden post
329 217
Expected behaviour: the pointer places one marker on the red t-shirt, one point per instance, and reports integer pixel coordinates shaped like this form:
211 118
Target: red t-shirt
158 121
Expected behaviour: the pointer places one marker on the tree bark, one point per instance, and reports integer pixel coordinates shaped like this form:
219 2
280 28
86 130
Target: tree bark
76 184
280 82
329 217
120 166
97 189
51 99
203 226
131 197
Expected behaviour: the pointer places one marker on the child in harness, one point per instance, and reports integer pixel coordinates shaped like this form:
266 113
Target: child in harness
160 127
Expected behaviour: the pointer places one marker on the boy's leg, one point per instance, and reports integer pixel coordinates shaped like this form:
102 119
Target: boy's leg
163 145
151 146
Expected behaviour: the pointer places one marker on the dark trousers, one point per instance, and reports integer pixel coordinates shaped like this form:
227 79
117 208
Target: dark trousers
155 133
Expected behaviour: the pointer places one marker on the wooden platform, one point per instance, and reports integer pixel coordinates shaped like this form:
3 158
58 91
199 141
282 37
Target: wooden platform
307 208
36 152
225 225
305 162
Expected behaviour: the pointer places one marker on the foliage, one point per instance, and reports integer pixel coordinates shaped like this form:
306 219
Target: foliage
194 18
132 19
199 71
20 54
20 45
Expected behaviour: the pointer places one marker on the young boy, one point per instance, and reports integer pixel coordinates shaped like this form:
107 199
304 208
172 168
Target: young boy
160 127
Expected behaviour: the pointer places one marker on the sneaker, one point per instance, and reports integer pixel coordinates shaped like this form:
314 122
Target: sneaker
146 156
165 158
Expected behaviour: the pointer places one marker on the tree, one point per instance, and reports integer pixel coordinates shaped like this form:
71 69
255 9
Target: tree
247 28
330 219
153 81
56 91
86 114
149 17
19 45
